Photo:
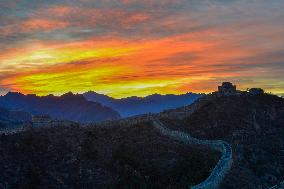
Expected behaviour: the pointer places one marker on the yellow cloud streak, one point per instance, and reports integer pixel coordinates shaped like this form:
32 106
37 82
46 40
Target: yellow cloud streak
91 79
122 68
49 56
62 82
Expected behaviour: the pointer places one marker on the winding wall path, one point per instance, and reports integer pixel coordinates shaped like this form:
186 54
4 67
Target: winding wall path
278 186
12 131
223 165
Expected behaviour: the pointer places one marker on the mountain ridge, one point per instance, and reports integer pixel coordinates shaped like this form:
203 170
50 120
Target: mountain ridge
69 106
134 105
250 121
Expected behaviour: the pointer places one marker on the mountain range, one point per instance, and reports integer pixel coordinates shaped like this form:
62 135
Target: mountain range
91 106
138 156
69 106
131 106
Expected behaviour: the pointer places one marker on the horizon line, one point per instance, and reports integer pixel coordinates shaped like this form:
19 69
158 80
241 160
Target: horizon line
142 96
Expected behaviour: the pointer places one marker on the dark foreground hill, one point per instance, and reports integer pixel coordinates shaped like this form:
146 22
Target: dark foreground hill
138 157
66 107
118 157
253 125
140 105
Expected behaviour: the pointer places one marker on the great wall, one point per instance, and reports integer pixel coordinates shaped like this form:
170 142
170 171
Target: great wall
216 176
220 170
218 173
278 186
12 131
223 165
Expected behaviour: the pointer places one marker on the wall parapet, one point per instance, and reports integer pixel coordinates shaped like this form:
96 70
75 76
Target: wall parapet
278 186
224 164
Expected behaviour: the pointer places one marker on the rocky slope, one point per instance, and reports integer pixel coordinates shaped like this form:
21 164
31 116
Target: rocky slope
253 125
66 107
138 157
116 157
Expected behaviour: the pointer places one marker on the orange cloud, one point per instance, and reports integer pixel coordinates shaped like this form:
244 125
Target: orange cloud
42 25
59 10
142 52
117 67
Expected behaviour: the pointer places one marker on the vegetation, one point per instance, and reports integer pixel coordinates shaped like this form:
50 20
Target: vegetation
117 157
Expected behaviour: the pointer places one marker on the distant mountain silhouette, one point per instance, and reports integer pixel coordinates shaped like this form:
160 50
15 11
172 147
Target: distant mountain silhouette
137 105
66 107
250 122
12 118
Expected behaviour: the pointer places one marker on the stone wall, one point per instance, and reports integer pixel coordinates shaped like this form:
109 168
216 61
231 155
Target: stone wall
125 122
218 173
278 186
41 121
224 164
8 131
179 113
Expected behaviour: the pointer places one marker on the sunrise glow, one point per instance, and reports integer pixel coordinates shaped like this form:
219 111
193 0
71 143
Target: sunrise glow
130 48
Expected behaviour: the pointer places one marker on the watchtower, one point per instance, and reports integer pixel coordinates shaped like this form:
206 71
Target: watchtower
227 89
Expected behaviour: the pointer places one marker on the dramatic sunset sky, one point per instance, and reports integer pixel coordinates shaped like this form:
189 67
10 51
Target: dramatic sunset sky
140 47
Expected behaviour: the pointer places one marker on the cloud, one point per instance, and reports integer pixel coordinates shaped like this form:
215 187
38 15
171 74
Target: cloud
41 25
173 46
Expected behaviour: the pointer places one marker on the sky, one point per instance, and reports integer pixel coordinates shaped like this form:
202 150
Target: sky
136 48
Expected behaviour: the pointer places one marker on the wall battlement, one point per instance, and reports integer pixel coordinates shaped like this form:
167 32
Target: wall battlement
224 164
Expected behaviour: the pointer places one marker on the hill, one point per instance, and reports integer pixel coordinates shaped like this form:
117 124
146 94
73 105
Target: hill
252 124
93 157
131 153
140 105
66 107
